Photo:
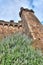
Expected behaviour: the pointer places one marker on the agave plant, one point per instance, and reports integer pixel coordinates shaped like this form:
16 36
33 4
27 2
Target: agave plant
17 50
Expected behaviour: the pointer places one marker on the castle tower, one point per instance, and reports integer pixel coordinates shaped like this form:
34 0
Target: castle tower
31 24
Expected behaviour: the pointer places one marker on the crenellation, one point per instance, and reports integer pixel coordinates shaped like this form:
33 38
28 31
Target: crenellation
26 10
32 23
29 24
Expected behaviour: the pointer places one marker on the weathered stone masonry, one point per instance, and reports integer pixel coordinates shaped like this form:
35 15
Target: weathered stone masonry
29 20
29 25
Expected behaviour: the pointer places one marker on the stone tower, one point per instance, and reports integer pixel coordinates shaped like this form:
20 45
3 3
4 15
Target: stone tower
31 24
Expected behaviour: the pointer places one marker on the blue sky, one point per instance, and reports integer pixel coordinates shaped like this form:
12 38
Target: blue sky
9 9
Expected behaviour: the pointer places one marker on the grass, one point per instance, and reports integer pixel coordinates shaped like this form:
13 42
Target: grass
17 50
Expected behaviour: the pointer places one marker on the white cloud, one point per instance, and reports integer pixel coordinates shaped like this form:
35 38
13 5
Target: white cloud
9 9
38 8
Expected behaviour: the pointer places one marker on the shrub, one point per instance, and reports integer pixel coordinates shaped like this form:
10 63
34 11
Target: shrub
17 50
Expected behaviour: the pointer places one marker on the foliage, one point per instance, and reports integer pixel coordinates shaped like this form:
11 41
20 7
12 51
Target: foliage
17 50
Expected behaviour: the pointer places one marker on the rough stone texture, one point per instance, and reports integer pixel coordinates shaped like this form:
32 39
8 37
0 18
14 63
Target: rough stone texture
29 25
8 28
34 25
37 44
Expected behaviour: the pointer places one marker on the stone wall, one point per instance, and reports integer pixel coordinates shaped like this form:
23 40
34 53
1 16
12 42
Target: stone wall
29 25
8 28
33 24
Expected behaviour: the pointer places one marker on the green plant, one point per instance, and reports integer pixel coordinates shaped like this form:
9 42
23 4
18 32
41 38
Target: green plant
17 50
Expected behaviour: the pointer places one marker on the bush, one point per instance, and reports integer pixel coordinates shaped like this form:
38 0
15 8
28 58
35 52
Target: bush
17 50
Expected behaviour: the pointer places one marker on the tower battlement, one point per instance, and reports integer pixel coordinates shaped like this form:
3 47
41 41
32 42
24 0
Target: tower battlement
29 24
26 10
